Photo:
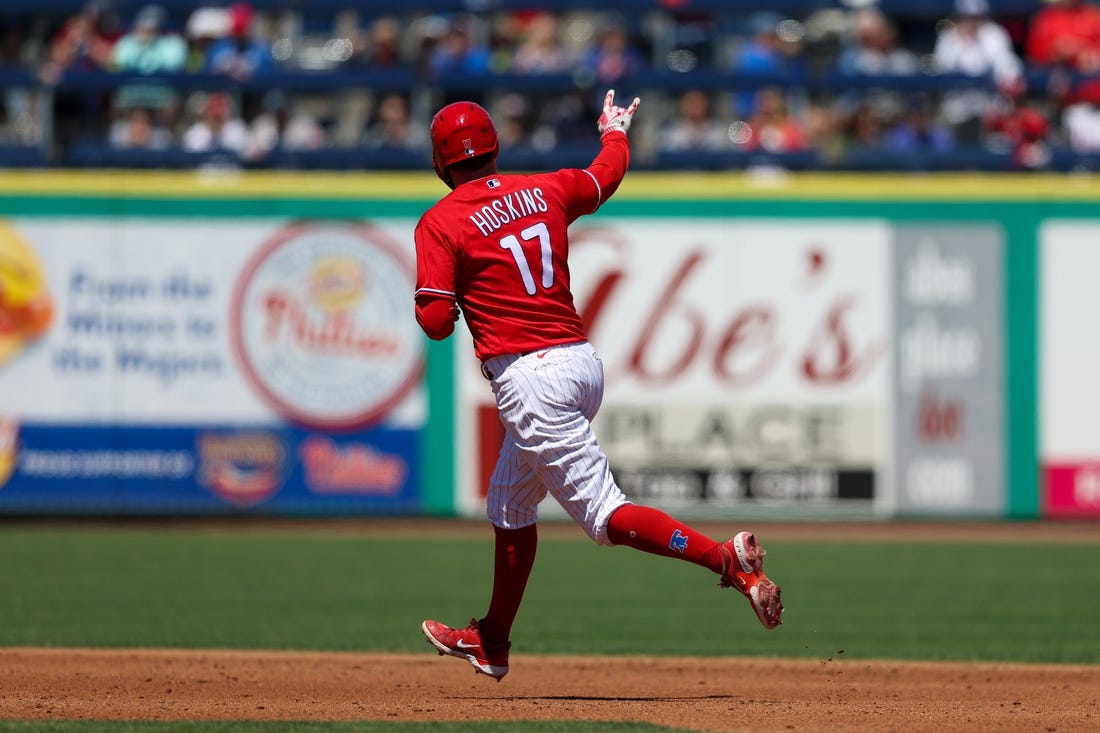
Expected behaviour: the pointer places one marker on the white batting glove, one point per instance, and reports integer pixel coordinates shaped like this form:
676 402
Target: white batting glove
615 118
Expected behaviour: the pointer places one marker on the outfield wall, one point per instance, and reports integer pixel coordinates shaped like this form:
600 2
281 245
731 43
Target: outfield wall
813 346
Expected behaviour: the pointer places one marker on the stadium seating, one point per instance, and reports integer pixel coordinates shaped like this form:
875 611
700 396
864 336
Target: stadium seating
657 83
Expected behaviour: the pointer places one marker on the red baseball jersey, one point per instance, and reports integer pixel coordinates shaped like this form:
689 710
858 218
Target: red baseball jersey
499 246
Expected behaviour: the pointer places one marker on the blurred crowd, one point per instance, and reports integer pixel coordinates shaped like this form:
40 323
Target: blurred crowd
760 106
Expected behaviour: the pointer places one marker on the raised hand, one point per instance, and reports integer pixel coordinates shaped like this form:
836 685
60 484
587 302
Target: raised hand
615 118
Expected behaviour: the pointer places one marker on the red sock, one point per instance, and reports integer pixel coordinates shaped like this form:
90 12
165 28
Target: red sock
651 530
514 557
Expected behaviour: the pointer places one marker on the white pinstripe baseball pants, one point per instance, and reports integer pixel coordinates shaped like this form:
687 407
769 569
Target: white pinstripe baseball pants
547 399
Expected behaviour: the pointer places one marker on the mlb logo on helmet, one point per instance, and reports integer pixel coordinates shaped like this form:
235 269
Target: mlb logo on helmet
468 146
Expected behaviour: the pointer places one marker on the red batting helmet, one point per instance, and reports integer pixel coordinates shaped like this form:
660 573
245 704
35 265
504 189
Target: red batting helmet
461 131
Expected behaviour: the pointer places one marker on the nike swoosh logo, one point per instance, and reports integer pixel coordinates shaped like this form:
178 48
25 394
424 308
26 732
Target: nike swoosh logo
542 354
463 645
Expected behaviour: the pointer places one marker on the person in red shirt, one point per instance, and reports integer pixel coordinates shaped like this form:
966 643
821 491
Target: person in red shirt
84 43
1067 33
772 128
496 250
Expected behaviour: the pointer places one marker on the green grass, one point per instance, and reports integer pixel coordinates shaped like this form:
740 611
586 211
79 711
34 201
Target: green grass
288 589
237 726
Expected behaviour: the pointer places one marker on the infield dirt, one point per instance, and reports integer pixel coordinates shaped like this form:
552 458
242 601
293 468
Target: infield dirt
693 693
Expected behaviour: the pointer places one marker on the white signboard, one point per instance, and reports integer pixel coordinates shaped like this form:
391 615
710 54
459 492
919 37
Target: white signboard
1069 390
196 321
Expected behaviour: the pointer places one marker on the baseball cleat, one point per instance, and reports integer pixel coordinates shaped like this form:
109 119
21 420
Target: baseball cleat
743 569
465 643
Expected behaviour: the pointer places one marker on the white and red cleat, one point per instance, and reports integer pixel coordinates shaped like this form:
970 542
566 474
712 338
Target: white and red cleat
465 643
743 569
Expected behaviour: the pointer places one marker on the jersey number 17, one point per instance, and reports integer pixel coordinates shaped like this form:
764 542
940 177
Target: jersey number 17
542 234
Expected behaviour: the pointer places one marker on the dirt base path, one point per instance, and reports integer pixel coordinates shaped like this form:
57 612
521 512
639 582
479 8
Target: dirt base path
693 693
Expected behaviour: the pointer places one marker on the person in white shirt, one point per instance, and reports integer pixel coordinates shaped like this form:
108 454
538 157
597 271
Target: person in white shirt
694 128
974 45
217 129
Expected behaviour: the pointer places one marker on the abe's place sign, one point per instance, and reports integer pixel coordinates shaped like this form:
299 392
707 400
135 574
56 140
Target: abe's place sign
748 362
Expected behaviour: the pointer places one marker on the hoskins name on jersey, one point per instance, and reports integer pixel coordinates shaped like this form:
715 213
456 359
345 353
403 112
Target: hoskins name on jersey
508 208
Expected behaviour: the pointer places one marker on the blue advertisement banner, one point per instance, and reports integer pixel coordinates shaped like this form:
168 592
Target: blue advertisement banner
176 470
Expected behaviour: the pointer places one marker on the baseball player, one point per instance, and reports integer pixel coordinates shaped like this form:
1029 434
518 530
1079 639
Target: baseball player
496 250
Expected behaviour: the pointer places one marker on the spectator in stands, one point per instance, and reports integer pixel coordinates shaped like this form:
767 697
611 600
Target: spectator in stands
540 50
771 128
976 46
690 39
694 128
393 129
823 131
217 128
504 33
381 45
147 49
17 116
1021 128
205 26
514 117
1079 101
84 43
864 128
874 48
138 129
766 51
13 39
614 57
1066 34
459 53
526 124
282 125
239 55
918 129
1081 118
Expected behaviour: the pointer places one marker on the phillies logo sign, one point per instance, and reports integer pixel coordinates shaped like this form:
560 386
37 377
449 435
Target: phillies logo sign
322 324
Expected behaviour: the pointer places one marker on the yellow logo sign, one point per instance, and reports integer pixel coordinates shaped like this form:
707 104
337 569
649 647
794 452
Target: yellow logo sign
26 308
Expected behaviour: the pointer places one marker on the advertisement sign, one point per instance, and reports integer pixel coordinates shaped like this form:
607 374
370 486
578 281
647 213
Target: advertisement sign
1068 367
321 324
188 470
948 380
747 363
196 365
